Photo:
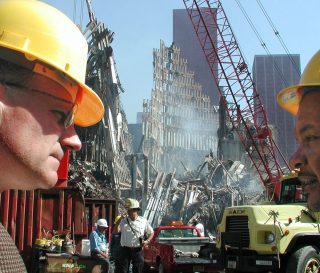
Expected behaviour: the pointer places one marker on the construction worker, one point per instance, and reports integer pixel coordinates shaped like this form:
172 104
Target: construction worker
43 94
136 233
199 226
303 100
99 245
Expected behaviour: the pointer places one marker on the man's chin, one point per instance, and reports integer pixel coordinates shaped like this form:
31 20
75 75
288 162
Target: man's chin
49 181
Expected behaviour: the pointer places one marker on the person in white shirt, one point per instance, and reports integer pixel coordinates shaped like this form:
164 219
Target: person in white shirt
198 226
136 232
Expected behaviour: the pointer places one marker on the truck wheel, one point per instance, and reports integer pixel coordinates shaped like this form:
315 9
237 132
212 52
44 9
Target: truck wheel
304 260
161 268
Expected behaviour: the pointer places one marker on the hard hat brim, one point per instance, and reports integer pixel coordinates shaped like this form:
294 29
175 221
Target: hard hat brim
289 98
133 208
49 36
90 109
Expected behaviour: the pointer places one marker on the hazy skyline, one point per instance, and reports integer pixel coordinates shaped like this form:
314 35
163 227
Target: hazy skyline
139 26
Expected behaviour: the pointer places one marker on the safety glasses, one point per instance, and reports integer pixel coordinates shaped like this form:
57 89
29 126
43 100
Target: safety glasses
67 120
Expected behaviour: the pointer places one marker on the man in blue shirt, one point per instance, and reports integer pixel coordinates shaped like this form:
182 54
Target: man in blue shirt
99 245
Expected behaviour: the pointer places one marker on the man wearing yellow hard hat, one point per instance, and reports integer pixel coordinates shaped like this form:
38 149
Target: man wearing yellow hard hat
303 101
136 233
43 58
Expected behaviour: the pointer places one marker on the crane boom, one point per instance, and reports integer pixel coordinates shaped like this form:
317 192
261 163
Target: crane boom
235 84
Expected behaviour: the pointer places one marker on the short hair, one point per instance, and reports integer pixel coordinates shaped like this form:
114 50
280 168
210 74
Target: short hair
14 74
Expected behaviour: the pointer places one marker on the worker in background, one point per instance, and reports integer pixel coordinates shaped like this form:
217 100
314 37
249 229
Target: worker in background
99 245
43 58
115 245
136 233
199 226
303 101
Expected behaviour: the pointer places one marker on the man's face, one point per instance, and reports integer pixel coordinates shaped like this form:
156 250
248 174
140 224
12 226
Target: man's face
133 213
33 138
102 229
307 157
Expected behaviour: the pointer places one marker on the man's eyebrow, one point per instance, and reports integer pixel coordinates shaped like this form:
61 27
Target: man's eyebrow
306 128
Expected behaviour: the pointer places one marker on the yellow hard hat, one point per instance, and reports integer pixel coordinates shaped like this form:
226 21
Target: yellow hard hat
132 204
43 34
117 219
289 98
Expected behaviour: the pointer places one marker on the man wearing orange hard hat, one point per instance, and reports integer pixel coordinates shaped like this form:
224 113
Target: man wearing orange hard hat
303 101
43 58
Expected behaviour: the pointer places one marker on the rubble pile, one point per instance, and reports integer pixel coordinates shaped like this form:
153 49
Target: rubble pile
82 179
202 193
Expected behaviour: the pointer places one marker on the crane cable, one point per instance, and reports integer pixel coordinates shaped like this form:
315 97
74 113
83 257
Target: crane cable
276 32
263 44
81 13
74 13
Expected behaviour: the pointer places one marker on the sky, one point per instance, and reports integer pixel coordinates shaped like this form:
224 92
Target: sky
140 24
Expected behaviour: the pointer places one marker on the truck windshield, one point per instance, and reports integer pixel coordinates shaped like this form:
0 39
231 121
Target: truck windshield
291 192
178 233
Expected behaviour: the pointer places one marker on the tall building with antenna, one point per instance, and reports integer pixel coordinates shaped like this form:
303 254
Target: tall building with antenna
271 73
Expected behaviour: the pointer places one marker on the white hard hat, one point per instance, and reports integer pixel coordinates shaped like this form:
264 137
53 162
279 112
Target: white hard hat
132 204
102 223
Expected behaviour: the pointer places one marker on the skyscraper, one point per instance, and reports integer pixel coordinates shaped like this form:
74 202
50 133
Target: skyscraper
184 37
271 73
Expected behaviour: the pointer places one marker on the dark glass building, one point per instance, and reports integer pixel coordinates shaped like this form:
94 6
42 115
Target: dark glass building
271 73
184 37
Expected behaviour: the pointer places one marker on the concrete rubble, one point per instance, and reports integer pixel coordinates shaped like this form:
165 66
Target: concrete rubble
202 193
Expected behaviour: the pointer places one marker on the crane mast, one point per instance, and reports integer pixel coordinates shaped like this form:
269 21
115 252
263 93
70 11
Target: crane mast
236 86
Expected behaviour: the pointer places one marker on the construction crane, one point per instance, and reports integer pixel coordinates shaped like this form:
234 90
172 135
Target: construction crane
237 90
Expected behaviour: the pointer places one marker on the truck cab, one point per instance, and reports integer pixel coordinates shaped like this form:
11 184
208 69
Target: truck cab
281 237
291 190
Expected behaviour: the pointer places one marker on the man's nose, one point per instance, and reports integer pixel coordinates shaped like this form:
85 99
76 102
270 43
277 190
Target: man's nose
70 140
297 160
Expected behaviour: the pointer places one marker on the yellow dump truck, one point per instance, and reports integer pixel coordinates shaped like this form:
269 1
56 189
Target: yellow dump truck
283 237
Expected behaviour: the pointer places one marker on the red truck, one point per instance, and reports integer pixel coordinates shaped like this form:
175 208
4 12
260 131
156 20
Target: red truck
180 249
